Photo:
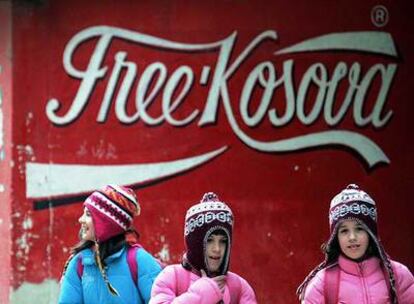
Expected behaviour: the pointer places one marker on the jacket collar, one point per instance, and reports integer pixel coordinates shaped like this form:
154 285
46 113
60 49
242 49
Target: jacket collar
363 268
88 256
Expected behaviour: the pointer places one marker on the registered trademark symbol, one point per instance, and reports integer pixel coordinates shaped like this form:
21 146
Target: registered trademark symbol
379 15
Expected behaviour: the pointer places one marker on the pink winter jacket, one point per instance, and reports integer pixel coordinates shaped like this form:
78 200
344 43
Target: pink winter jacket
179 286
363 283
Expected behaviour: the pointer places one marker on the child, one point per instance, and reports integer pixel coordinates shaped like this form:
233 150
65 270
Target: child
356 268
203 276
108 266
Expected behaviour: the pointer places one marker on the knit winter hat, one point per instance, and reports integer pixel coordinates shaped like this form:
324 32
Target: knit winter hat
112 209
353 203
201 221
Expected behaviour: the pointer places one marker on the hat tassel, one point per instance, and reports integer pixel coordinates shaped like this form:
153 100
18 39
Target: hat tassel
112 290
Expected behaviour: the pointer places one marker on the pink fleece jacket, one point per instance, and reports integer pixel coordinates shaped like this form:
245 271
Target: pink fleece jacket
363 283
179 286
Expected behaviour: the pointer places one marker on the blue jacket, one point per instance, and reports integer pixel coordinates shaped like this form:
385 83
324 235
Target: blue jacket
91 288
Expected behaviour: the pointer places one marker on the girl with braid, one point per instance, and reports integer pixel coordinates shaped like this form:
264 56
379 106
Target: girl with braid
356 268
108 265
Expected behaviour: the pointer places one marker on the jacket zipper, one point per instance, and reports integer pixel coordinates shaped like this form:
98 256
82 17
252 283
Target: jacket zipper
365 289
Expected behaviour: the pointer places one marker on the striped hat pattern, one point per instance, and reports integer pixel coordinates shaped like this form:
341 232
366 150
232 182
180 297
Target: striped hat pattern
112 209
353 203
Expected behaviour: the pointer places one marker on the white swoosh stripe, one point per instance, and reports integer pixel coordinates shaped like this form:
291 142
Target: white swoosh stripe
373 42
46 180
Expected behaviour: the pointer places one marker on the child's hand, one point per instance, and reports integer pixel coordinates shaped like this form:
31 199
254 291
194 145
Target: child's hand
220 280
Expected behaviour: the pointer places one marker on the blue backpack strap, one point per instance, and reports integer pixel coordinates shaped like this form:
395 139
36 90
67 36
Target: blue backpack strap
331 284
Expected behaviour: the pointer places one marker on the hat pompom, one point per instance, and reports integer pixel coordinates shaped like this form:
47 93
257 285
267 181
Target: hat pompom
209 197
352 186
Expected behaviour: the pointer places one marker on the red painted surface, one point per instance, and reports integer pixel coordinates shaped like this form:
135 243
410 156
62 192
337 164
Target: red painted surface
280 200
5 149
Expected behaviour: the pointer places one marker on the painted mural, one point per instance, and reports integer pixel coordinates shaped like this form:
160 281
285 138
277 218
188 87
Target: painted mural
275 106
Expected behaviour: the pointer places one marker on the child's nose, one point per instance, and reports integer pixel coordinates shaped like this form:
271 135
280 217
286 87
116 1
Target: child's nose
216 247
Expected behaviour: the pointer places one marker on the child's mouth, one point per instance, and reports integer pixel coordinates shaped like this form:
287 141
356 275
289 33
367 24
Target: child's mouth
215 258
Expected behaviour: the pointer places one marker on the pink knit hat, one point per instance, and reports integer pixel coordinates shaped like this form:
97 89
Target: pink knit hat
202 220
113 209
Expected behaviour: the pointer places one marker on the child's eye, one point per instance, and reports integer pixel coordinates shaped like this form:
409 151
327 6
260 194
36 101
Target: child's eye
223 241
209 240
343 231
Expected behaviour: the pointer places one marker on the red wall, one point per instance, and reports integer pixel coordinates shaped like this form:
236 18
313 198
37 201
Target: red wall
5 149
300 61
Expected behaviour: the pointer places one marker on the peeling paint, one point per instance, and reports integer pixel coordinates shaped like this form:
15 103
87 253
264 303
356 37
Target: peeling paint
25 153
101 150
27 223
164 253
29 118
296 168
49 243
45 293
23 243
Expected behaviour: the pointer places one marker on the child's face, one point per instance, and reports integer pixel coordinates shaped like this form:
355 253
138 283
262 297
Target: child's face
353 239
87 231
216 248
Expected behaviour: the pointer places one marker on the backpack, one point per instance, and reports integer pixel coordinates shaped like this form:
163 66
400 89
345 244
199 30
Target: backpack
331 284
183 284
131 260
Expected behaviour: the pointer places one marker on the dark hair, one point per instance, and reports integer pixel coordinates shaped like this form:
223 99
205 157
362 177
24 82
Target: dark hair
219 232
106 248
332 250
186 264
